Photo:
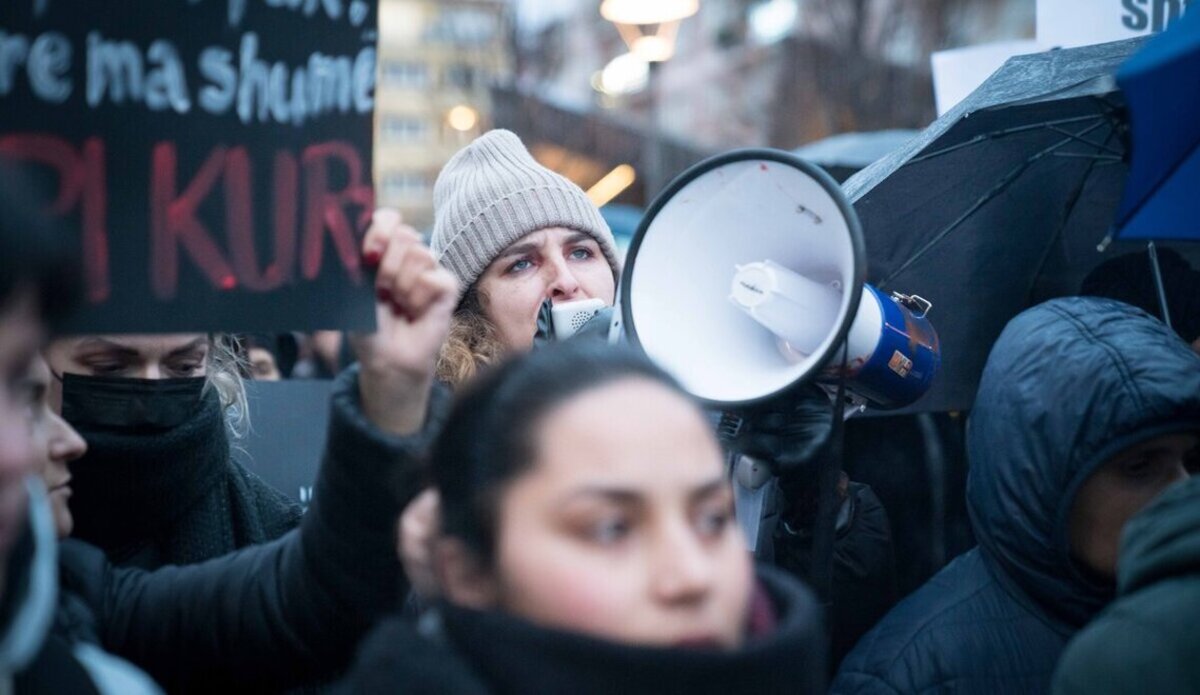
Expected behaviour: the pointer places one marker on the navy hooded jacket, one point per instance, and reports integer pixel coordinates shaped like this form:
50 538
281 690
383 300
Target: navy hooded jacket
1067 385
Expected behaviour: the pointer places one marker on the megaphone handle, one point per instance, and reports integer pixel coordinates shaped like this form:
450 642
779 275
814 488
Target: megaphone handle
829 472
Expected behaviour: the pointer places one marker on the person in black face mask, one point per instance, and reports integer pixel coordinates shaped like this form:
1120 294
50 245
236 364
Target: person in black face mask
158 485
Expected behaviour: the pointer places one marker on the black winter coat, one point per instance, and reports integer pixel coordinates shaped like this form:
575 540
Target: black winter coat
282 614
864 568
1068 384
475 653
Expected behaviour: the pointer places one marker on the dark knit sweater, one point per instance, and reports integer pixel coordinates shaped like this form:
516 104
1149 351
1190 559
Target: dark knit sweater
174 497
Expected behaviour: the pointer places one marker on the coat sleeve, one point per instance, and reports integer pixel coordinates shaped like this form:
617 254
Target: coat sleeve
287 612
1123 656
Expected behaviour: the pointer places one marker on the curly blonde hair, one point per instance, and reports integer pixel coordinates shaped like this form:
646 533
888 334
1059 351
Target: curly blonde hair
471 344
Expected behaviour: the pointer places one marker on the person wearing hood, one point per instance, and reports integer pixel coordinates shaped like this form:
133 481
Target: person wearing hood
1146 641
589 545
1085 412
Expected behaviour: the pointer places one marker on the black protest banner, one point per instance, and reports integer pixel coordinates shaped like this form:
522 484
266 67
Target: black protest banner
284 447
213 155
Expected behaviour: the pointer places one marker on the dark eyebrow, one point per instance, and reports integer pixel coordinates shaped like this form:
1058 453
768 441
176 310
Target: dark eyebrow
630 497
519 250
190 347
708 489
612 494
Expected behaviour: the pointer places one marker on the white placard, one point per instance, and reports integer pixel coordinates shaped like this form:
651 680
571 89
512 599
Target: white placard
959 71
1069 23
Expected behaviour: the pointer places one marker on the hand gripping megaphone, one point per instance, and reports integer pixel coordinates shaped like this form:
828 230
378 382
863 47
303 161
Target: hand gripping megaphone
747 276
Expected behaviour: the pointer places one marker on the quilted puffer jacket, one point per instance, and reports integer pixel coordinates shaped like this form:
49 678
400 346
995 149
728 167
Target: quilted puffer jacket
1068 384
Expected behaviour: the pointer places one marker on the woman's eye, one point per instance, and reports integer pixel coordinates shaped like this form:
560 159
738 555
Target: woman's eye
187 369
581 254
609 531
714 522
30 396
1137 468
520 265
106 368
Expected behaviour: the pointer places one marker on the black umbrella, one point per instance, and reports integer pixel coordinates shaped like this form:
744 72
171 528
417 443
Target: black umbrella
1001 203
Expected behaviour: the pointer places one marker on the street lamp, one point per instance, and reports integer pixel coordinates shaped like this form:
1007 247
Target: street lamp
462 118
649 28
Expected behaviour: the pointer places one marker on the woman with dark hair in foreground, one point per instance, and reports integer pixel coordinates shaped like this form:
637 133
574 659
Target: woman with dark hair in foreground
589 545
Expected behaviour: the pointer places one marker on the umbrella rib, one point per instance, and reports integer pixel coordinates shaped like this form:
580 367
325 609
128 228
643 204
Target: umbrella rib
1004 182
1095 157
1075 196
1104 147
1000 133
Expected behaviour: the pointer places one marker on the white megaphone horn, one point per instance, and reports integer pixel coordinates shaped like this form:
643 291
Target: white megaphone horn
747 276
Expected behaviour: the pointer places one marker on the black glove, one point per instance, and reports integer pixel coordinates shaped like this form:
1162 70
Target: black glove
789 433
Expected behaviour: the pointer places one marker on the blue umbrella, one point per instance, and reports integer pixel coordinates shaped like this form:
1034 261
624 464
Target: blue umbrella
1161 83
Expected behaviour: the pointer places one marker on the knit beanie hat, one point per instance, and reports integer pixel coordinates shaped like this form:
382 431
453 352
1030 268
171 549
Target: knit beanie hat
492 193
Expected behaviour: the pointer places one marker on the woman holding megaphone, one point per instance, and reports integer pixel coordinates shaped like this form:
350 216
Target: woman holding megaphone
516 235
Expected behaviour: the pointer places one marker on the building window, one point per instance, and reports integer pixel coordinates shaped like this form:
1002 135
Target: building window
405 185
405 74
464 27
404 129
460 76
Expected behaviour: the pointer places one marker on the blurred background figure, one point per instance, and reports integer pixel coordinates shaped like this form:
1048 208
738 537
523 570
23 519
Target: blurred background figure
1128 278
320 355
269 356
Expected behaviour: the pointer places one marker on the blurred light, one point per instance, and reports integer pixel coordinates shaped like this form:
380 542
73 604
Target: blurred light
773 20
647 11
611 185
625 74
652 48
400 22
462 118
649 27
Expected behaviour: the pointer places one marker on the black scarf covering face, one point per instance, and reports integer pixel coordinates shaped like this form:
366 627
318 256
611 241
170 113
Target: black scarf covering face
157 485
495 654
